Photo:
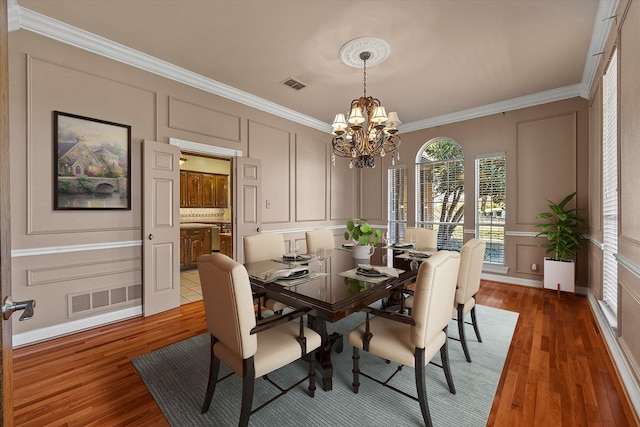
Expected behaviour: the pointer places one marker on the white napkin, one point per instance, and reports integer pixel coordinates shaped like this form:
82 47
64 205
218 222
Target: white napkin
387 271
272 275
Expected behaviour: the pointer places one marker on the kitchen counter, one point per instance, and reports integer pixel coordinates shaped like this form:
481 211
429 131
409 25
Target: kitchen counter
188 225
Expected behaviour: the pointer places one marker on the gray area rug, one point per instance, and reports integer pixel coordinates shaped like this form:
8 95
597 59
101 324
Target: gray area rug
176 376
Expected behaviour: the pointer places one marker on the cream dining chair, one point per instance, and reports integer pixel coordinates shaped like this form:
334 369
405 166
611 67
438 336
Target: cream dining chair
250 351
427 238
263 247
471 260
413 340
320 238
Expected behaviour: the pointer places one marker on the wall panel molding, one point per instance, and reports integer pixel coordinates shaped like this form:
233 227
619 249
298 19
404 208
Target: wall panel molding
16 253
74 271
199 119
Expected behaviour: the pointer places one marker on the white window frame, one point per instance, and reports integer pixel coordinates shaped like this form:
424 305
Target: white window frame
419 215
496 219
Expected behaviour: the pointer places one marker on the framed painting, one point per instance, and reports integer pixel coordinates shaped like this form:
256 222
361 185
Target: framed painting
91 163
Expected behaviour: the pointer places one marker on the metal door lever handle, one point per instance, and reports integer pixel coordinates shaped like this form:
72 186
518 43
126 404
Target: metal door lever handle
9 306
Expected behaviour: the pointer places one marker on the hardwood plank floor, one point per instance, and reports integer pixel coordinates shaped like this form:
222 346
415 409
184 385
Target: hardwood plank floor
557 373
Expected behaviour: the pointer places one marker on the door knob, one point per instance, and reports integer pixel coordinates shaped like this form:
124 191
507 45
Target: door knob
9 306
258 229
150 236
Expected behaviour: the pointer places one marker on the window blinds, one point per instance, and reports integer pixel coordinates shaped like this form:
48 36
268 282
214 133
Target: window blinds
490 204
397 202
610 184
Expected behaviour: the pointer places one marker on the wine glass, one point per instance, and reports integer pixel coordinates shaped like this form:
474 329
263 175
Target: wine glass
414 241
294 248
321 255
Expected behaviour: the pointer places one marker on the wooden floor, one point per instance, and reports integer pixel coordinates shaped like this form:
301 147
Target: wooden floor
557 373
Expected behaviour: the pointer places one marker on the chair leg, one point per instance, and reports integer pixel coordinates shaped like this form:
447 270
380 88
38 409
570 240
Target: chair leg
214 368
463 338
356 370
475 323
420 386
444 356
247 391
312 373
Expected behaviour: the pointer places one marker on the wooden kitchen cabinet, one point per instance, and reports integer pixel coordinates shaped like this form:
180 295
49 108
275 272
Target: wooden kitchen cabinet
203 190
209 190
193 243
194 189
226 244
222 191
183 189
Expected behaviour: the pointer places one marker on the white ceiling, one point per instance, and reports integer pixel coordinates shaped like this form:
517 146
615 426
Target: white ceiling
449 59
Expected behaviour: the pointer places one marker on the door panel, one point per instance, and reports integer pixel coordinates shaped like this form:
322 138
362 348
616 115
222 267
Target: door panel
249 201
6 374
161 227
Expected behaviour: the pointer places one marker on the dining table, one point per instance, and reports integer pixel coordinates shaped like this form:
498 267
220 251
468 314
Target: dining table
330 289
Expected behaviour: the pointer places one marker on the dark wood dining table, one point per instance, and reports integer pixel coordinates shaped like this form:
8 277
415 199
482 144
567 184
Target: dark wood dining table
328 294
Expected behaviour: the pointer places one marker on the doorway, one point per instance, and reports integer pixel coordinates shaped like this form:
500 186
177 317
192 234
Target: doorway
206 212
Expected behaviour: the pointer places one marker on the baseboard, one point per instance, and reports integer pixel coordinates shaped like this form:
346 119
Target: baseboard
624 372
43 334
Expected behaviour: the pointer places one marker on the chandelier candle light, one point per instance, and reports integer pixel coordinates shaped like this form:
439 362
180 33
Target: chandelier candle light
359 137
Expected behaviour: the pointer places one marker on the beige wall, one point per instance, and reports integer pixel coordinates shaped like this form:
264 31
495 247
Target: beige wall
629 176
546 149
57 255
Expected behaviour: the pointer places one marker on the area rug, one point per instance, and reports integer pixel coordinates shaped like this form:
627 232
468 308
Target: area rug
176 376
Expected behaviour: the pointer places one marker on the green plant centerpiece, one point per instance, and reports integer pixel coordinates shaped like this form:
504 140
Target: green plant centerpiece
361 232
562 230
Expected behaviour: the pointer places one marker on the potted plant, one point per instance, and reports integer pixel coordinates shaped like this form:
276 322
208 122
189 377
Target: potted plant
364 236
564 234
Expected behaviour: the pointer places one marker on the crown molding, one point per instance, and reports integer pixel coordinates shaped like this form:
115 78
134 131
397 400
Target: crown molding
22 18
496 108
601 29
68 34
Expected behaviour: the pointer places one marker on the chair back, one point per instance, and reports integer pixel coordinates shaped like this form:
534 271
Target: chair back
228 303
320 238
427 238
263 247
434 295
471 259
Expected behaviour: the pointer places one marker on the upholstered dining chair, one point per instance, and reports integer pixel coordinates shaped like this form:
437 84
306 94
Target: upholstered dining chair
471 260
413 340
250 351
320 238
263 247
427 238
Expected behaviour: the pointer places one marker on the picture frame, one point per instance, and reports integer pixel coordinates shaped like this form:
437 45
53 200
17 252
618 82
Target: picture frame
91 163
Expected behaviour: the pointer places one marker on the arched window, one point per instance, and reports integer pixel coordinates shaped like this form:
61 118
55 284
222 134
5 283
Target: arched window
440 191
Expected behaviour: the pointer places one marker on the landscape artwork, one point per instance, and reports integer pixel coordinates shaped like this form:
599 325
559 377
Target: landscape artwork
91 163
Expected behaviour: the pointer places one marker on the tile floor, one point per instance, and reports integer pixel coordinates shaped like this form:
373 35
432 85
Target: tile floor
190 289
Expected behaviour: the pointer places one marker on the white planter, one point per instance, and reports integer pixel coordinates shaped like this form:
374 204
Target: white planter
559 272
362 252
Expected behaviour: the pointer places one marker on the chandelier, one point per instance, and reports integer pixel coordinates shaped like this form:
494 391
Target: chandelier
368 132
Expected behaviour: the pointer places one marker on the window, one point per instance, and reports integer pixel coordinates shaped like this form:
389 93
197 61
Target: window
440 191
490 199
610 188
397 209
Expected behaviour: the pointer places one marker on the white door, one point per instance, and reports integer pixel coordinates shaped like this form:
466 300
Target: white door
248 201
161 227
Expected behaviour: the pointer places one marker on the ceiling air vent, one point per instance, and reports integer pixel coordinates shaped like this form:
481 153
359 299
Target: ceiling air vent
294 84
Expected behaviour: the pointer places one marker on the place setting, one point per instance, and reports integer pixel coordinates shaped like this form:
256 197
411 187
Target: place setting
372 273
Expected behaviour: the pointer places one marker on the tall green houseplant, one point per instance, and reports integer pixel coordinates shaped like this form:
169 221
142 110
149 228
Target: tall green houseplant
562 230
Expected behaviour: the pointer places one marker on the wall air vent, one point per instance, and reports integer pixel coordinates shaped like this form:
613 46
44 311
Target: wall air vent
294 84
